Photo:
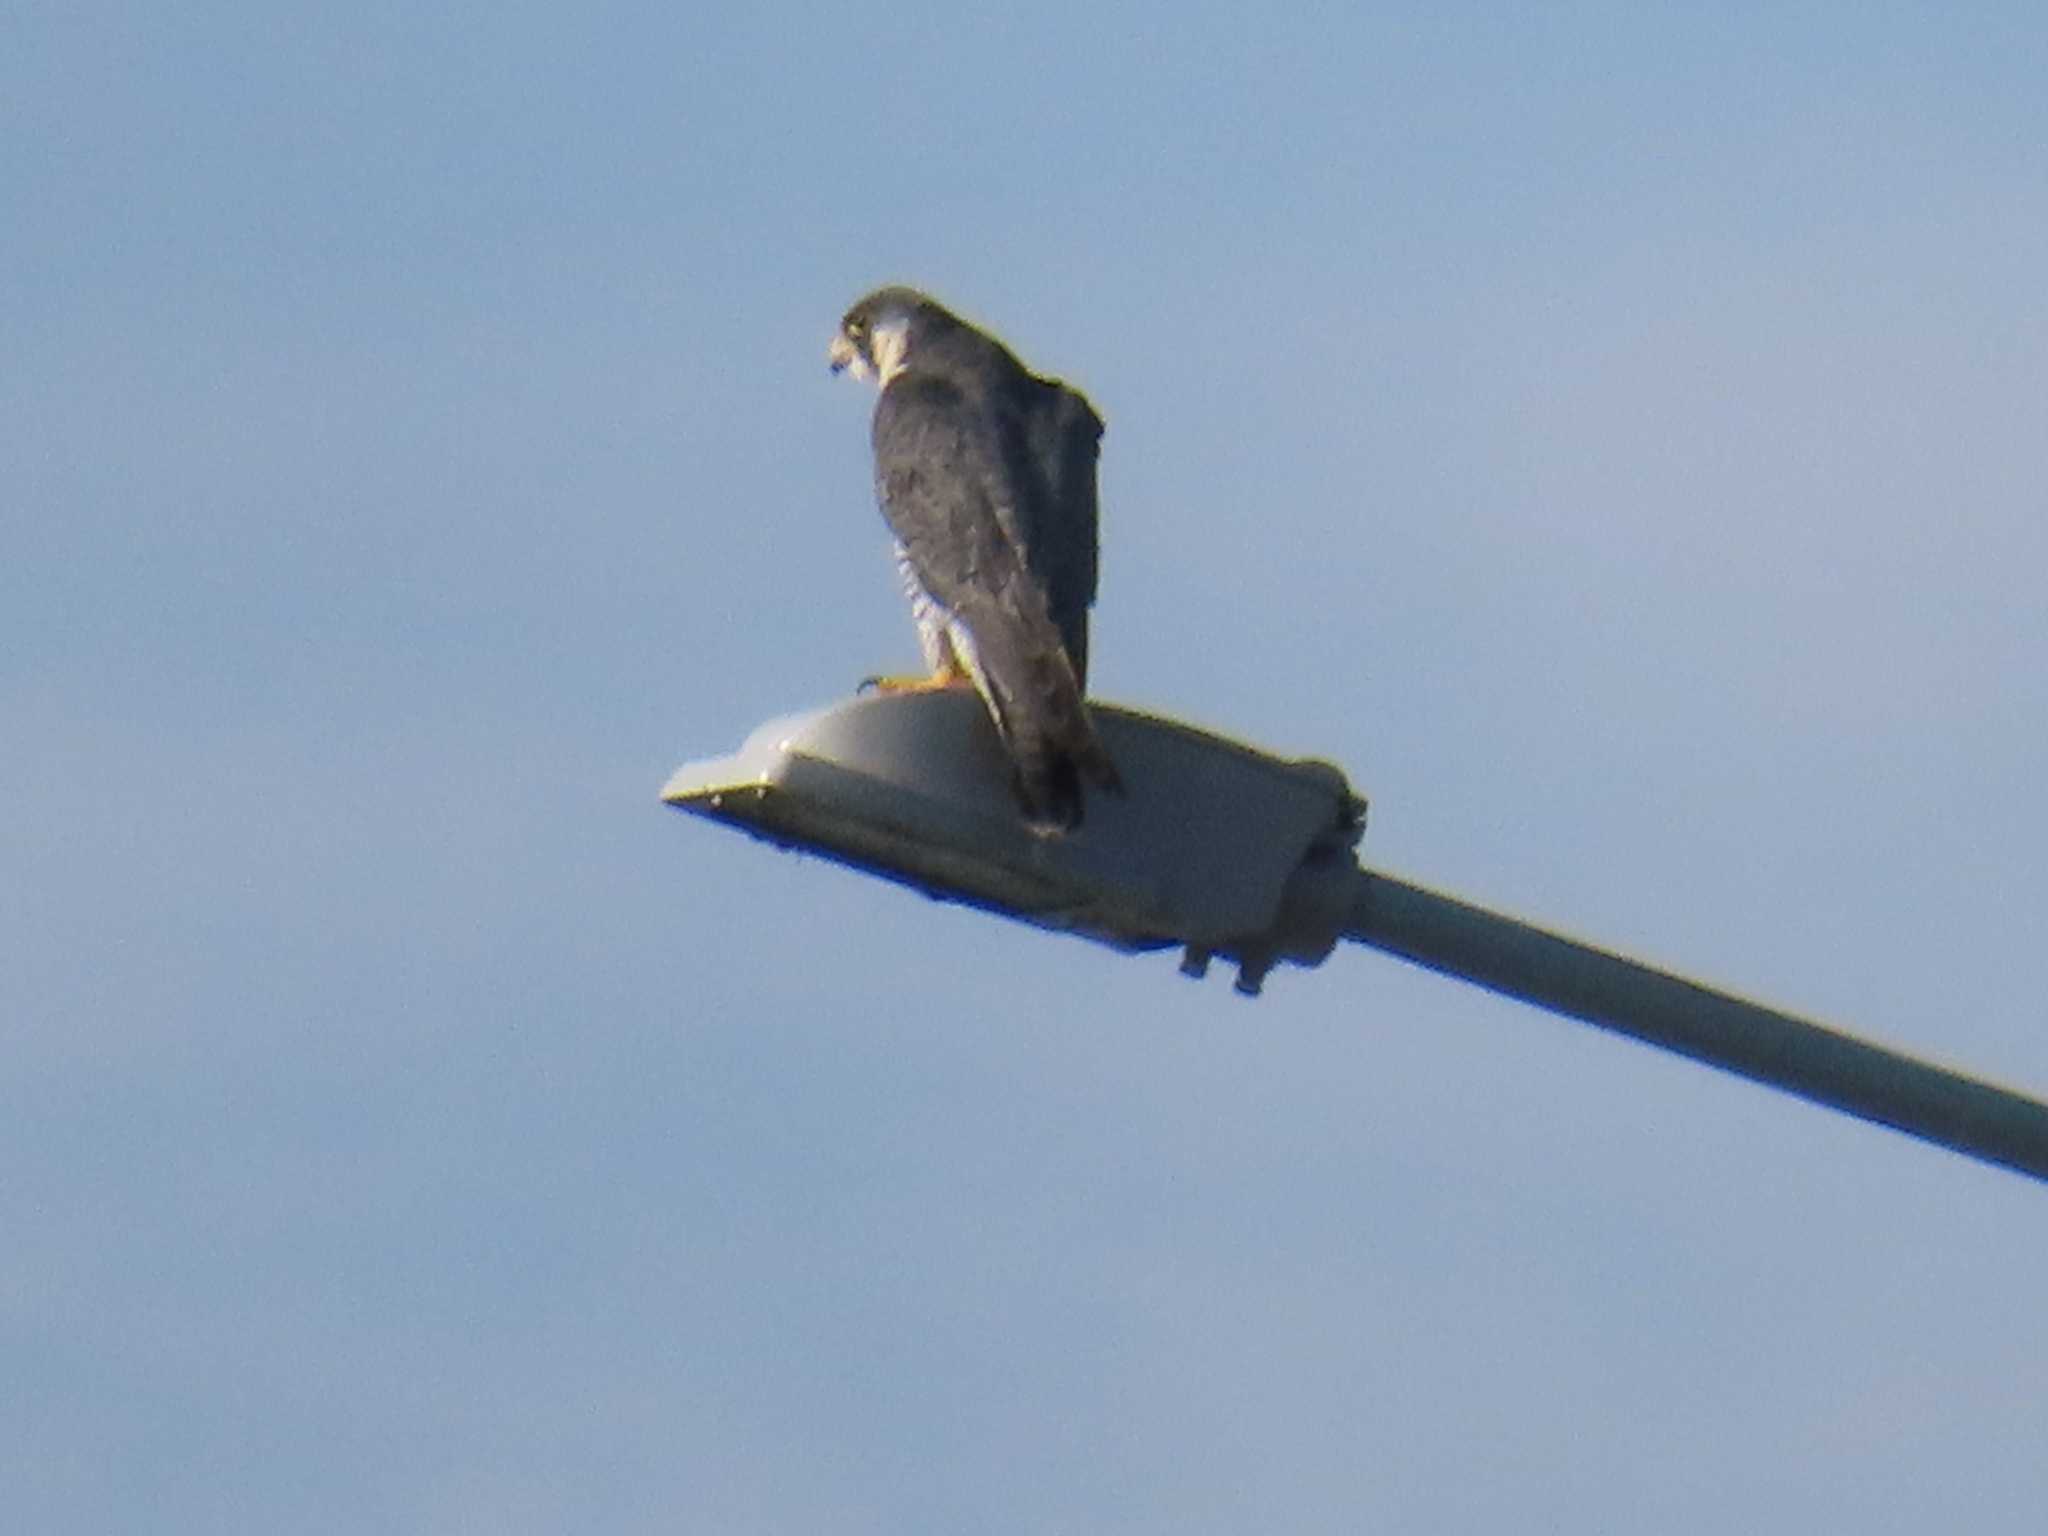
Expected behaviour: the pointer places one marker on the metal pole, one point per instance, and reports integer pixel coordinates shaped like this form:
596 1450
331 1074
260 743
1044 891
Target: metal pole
1590 984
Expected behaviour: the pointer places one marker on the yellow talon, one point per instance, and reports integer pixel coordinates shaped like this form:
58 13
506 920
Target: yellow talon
945 677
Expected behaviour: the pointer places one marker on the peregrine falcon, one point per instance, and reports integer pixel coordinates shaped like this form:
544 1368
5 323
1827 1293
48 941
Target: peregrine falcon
986 476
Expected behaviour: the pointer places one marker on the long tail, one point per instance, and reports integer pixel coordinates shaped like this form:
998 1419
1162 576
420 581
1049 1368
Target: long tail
1035 700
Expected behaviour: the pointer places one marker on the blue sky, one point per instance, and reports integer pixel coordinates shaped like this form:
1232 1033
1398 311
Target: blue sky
1616 435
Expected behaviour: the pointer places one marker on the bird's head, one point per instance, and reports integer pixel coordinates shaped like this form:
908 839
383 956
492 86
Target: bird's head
877 335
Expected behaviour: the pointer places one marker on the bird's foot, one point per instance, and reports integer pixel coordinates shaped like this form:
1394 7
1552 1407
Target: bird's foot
944 677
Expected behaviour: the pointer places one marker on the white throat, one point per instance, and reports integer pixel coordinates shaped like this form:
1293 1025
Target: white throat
889 344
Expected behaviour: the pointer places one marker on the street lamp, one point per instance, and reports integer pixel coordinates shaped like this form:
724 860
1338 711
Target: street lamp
1229 853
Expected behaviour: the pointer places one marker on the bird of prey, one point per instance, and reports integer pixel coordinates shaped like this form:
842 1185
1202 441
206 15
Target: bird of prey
986 476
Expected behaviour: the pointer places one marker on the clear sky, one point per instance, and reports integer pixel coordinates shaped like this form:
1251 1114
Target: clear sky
1616 434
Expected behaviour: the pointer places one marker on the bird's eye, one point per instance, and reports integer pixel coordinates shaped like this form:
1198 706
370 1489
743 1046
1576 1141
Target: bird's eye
855 327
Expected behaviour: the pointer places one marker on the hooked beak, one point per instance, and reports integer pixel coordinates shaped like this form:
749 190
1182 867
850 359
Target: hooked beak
841 354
